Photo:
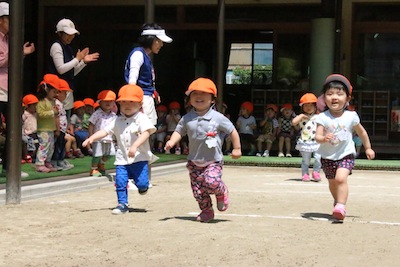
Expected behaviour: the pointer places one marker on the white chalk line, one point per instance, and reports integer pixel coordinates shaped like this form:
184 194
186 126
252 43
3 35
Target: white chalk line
299 218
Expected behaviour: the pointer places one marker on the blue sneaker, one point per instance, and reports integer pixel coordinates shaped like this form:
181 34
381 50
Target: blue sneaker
120 209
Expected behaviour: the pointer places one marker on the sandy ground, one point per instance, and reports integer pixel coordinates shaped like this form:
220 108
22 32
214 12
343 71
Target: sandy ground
274 220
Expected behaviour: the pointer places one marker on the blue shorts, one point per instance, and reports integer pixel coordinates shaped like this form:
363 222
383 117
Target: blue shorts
330 166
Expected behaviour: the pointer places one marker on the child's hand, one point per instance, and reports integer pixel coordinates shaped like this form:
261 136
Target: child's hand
87 142
55 110
370 153
328 137
236 153
168 145
132 152
304 116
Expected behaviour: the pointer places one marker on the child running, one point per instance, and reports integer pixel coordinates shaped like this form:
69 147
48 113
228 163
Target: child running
203 126
47 112
306 144
334 133
132 129
101 118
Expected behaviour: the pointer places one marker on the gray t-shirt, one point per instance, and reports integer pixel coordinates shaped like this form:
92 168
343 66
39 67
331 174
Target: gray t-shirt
204 134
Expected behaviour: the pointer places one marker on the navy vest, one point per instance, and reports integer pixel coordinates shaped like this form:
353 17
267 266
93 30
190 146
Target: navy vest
145 78
68 56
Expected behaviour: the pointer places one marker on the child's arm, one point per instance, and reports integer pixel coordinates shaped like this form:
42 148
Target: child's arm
57 131
143 137
362 133
296 120
96 136
175 138
320 137
236 151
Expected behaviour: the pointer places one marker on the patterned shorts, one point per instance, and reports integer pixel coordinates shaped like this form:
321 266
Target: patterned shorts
330 166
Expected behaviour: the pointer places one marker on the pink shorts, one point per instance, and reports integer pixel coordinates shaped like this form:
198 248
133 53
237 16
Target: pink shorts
330 166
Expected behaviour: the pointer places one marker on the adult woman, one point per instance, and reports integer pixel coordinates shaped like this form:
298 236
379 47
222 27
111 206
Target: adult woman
139 68
62 61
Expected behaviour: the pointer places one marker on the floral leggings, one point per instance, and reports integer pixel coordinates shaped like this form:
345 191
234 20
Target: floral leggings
206 181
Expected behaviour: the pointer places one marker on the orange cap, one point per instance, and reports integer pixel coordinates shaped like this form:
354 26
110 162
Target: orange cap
96 105
29 99
203 85
88 101
130 92
106 95
64 86
162 108
52 80
78 104
248 105
272 106
174 105
351 107
308 98
286 106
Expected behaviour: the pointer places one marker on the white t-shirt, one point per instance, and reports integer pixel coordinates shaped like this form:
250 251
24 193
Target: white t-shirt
244 124
342 144
127 131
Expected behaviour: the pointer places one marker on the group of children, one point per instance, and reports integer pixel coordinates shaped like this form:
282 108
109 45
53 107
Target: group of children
328 134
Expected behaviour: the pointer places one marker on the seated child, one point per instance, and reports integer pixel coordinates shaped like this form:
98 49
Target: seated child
286 130
29 128
246 124
269 127
173 118
76 128
158 137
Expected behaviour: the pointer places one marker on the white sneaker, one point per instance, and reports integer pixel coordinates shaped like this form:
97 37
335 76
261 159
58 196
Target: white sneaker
258 154
24 174
281 155
131 185
266 153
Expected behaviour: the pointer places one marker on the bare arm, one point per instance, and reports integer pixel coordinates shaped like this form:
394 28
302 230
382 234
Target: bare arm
96 136
143 137
236 151
175 138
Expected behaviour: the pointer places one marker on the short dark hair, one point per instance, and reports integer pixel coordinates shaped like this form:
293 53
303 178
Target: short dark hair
146 41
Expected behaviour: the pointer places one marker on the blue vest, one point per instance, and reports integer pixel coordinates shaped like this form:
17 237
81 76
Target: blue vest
145 78
68 56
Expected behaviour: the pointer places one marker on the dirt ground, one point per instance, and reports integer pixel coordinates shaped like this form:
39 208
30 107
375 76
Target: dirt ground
274 220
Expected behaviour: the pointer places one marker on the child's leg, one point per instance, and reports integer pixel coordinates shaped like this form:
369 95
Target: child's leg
340 188
288 145
121 182
68 142
280 144
139 171
305 162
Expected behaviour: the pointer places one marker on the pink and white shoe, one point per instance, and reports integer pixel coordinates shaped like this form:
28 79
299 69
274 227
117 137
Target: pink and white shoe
305 178
223 201
206 215
339 212
316 177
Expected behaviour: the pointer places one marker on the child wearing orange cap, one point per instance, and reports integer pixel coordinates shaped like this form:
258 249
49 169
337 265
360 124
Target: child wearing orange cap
286 130
77 130
306 143
334 133
132 129
47 112
173 118
246 124
203 125
102 149
29 128
158 138
269 126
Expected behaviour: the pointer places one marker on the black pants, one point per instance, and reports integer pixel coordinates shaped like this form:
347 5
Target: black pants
59 147
4 110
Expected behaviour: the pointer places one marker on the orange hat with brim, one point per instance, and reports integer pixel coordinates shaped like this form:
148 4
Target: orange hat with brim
130 92
248 105
203 85
29 99
272 106
174 105
78 104
308 98
64 86
96 105
162 108
88 101
106 95
339 78
52 80
286 106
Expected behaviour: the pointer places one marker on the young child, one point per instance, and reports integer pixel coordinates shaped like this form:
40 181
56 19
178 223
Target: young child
132 129
158 138
29 128
245 125
101 118
306 144
47 112
76 129
172 120
58 158
286 130
89 109
203 126
269 127
334 133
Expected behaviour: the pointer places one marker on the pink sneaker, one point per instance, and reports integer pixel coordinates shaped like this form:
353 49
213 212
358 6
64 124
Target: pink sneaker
305 178
339 212
223 201
42 168
206 215
316 177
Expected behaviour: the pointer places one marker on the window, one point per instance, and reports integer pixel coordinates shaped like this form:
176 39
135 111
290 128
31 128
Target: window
250 63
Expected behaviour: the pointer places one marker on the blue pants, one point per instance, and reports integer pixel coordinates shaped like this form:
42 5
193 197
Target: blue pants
138 171
305 162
